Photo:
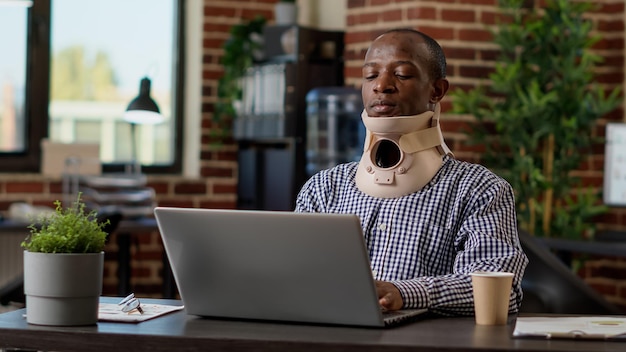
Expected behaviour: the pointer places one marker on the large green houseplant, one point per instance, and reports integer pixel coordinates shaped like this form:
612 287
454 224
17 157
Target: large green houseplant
536 114
63 266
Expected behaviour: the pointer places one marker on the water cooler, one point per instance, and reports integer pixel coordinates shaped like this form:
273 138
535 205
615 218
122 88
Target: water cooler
335 132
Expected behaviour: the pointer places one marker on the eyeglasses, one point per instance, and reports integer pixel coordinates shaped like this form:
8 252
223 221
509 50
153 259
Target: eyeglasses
130 304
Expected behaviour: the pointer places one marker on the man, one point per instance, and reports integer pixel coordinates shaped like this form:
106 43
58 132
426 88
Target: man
429 220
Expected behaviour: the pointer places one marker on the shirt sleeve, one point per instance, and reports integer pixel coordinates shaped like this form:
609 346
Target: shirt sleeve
313 197
487 240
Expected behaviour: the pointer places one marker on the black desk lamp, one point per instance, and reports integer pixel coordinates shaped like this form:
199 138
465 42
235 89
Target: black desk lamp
142 110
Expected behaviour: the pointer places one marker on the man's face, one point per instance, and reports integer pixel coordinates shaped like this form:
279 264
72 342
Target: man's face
395 77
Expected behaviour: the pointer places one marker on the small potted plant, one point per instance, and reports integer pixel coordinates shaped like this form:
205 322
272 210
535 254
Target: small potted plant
63 266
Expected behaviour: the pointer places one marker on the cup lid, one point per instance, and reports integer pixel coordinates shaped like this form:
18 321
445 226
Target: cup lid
492 273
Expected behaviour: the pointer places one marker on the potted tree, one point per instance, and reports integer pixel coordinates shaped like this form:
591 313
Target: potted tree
536 114
63 266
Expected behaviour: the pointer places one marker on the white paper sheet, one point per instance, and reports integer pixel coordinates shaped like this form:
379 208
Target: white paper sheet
587 327
113 313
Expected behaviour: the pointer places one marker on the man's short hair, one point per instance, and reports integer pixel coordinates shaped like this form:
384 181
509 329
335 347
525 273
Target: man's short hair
437 59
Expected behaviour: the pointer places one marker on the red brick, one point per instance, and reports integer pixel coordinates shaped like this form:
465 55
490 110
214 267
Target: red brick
216 27
616 61
355 3
47 203
609 78
140 272
224 189
24 187
475 71
207 107
190 188
448 125
610 8
218 204
358 37
351 20
475 35
175 203
458 15
421 13
5 204
609 43
216 172
213 42
391 16
356 72
592 181
488 55
152 290
212 74
145 256
214 11
366 18
159 187
438 33
481 2
604 289
610 26
251 14
460 53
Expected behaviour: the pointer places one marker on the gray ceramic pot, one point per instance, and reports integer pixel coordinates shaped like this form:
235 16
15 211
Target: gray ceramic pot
62 289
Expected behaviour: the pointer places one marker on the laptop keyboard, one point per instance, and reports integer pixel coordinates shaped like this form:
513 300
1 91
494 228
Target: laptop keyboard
393 317
392 313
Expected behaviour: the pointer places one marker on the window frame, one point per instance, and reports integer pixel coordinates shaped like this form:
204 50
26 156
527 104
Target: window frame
37 96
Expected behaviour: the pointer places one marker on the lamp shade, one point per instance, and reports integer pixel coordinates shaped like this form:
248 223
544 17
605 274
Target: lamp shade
142 109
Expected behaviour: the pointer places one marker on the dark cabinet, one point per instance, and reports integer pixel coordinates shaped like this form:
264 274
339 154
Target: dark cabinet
270 127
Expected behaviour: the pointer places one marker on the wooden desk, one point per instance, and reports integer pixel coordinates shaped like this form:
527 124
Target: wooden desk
181 332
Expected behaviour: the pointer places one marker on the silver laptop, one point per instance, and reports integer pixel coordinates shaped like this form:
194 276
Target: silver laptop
271 265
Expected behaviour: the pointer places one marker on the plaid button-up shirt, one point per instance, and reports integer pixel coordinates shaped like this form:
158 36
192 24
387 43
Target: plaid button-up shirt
427 243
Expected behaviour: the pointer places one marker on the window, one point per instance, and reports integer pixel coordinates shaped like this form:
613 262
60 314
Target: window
76 66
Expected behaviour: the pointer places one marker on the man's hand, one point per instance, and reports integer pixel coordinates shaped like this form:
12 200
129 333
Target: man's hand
389 296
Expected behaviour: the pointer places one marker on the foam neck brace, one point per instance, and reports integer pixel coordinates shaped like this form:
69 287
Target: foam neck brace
401 154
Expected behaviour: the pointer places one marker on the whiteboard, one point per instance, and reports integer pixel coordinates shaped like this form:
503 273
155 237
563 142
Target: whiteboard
615 165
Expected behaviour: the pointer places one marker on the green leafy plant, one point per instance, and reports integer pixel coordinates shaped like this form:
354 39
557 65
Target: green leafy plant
67 230
536 115
239 51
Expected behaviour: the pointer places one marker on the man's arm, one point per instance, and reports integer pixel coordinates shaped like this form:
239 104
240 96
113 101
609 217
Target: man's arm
487 240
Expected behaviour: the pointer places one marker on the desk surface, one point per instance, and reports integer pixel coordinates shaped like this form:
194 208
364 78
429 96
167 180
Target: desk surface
179 331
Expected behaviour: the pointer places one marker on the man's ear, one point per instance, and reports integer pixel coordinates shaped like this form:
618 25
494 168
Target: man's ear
440 88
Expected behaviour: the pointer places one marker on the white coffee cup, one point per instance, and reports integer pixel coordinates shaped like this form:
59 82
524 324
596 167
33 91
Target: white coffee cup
492 292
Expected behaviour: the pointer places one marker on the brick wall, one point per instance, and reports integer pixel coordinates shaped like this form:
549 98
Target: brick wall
460 27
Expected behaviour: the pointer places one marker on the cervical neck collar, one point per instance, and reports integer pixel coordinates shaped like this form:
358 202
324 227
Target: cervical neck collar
401 154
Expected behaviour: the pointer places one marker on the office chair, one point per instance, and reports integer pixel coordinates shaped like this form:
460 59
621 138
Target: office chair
550 286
